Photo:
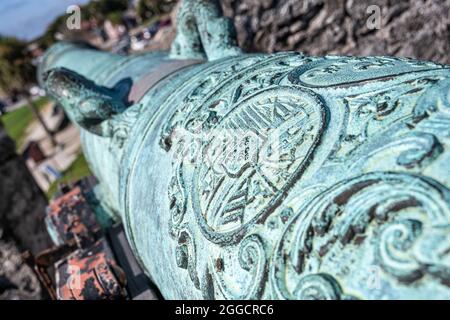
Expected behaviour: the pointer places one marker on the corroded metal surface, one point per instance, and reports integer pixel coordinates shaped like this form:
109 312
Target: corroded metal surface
272 176
89 274
70 217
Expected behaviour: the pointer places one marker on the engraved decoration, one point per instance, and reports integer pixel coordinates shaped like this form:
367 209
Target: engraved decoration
268 176
342 180
236 189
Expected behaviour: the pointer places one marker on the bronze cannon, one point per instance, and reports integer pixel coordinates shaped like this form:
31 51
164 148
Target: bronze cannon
267 176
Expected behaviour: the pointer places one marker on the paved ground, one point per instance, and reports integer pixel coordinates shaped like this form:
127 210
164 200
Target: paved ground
59 157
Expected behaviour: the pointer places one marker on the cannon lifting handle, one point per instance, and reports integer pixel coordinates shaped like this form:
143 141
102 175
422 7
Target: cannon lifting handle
91 106
202 32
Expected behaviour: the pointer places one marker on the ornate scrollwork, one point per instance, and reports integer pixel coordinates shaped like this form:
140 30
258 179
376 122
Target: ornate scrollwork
234 196
372 113
252 259
185 255
407 208
215 76
335 71
317 287
177 201
410 150
437 98
233 113
396 241
225 84
230 192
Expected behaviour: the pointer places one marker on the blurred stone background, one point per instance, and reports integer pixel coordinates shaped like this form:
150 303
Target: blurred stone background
409 28
22 207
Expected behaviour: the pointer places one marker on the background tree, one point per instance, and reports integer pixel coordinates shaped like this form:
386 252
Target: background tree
18 74
147 9
98 10
104 7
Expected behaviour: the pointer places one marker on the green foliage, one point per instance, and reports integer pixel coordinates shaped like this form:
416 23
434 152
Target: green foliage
115 18
147 9
105 7
49 37
16 122
16 69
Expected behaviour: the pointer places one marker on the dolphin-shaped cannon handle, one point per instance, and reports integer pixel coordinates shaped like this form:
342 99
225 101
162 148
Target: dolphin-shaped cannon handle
91 106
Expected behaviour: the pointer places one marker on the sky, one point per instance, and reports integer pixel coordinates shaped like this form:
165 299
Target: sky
28 19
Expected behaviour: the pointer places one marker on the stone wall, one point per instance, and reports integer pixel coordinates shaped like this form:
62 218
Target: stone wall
409 28
22 208
17 280
22 203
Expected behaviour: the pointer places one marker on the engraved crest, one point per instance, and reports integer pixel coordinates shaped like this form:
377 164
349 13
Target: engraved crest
244 174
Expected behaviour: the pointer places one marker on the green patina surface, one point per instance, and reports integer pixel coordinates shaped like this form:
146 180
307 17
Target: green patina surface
278 176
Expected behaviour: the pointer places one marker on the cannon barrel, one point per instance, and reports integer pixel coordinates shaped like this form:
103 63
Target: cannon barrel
120 81
255 176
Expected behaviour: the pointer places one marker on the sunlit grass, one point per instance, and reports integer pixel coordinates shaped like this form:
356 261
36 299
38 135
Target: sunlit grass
77 170
16 122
